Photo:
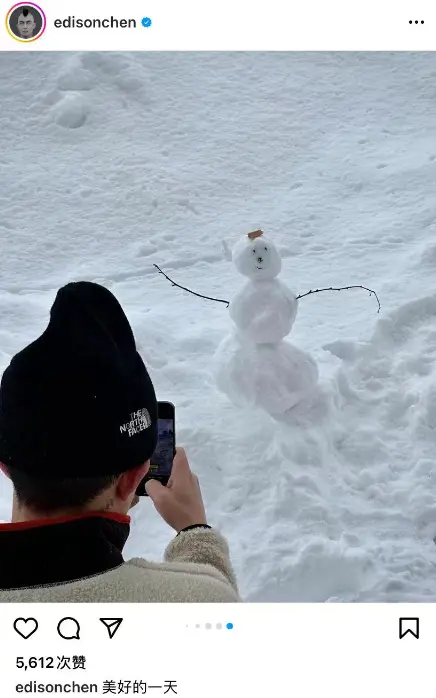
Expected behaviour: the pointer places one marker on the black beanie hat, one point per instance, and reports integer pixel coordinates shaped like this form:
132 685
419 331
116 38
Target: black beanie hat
78 401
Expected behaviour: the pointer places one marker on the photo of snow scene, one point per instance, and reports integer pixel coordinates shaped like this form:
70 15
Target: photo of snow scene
310 422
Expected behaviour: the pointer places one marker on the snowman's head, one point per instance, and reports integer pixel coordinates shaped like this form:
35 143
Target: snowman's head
257 258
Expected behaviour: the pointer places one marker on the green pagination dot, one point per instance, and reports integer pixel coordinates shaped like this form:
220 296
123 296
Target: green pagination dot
229 626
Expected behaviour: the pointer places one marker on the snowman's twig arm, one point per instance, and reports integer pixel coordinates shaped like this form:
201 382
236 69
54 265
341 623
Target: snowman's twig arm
309 293
342 288
199 295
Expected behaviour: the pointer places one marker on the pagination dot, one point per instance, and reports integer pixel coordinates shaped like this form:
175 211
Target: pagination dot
229 626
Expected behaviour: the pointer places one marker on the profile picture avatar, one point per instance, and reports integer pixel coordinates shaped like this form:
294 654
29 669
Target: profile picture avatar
25 22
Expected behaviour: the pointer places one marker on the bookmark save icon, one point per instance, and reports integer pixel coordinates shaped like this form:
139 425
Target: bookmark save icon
409 626
111 625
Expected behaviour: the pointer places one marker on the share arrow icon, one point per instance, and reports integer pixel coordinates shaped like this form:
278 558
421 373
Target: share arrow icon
112 625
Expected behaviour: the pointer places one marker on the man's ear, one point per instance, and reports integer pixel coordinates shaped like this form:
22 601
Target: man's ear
128 482
4 470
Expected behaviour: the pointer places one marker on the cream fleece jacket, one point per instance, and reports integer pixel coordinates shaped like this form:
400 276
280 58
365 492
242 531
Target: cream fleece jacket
197 569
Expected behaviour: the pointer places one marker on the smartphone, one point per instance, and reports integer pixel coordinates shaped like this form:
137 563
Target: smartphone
161 462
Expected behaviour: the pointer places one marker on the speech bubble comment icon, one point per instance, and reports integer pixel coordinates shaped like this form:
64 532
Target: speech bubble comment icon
69 629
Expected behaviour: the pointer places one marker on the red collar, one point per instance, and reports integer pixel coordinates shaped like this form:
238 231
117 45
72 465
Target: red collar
35 523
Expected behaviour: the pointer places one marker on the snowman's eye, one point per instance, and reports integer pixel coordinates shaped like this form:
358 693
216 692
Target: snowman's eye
266 249
254 251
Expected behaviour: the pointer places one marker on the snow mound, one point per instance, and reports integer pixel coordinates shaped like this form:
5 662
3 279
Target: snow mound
89 74
354 508
119 68
75 79
71 111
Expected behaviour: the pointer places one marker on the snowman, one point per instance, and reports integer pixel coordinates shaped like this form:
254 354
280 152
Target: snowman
253 365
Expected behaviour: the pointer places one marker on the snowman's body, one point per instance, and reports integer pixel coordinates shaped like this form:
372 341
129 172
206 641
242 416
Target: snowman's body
264 310
274 377
253 365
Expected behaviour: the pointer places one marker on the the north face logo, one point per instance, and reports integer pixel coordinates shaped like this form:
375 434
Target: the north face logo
139 421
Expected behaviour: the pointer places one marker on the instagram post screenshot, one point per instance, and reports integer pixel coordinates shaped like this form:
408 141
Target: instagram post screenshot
217 349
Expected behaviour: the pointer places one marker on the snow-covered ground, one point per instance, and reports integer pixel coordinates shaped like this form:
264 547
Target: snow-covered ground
112 162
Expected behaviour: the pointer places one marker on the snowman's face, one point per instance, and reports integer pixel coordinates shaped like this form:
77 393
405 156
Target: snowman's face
257 259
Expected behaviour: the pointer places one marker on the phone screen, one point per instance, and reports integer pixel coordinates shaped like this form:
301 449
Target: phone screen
161 462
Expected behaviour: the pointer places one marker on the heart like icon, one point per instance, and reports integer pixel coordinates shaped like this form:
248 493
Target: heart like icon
26 627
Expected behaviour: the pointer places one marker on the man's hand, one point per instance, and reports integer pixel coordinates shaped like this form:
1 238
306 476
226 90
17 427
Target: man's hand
179 503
